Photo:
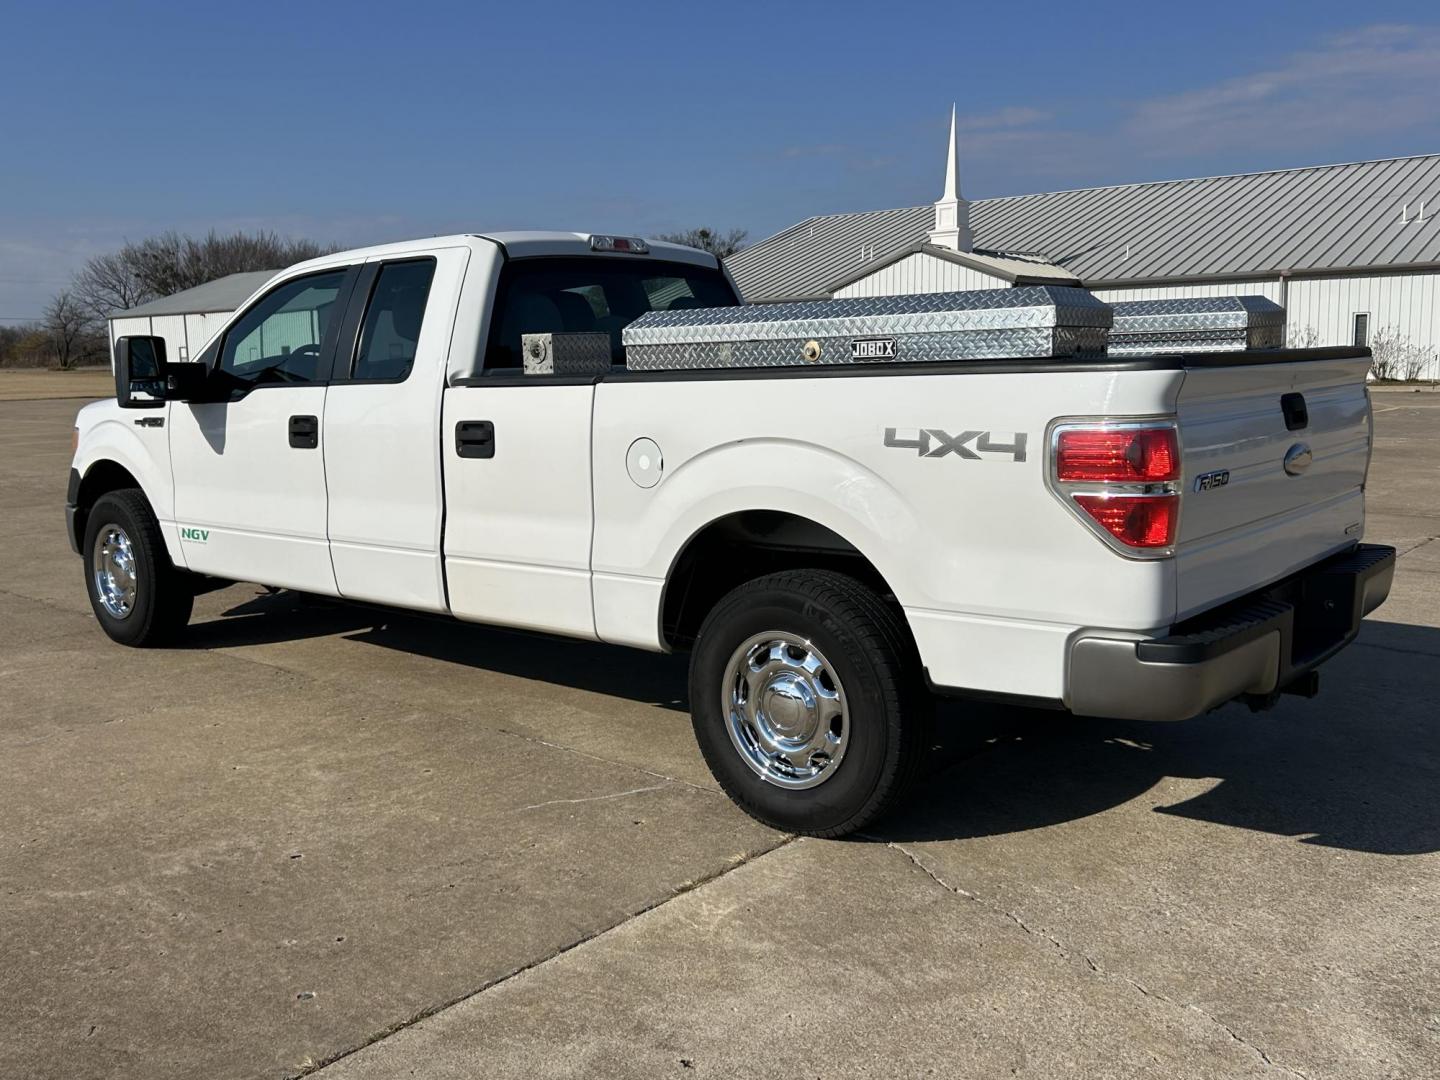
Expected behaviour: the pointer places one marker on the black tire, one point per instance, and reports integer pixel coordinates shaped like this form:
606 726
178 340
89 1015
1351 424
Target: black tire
864 639
163 595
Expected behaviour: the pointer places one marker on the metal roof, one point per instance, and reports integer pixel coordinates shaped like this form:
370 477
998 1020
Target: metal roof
222 294
1327 217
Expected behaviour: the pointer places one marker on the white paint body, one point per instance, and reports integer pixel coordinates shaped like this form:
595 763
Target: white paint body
995 575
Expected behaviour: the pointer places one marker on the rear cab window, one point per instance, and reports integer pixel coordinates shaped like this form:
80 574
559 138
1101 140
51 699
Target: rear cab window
589 294
394 313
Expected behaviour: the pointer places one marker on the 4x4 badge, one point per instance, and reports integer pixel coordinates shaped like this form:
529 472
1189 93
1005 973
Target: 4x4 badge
934 443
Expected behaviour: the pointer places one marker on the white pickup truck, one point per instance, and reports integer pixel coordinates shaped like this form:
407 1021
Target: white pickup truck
1141 536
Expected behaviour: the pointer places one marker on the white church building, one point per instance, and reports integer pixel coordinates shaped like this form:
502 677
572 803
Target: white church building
1352 252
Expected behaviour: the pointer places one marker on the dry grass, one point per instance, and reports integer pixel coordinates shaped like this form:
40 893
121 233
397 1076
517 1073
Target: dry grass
29 384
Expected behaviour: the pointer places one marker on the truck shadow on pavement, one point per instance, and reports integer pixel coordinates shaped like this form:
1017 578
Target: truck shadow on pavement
1357 768
272 618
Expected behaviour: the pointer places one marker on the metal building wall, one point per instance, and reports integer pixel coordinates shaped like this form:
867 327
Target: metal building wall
185 335
1402 306
921 273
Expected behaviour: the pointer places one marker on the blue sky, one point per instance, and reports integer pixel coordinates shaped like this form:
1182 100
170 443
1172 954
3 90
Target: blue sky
363 122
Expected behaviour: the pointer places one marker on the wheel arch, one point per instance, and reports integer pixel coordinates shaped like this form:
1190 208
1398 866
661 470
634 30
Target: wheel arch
746 544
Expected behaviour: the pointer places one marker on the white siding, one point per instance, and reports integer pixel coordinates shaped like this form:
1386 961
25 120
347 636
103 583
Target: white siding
172 329
1401 306
185 335
1268 288
199 328
921 273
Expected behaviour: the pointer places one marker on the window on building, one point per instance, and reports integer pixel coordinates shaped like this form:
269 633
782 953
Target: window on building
391 329
278 339
1362 328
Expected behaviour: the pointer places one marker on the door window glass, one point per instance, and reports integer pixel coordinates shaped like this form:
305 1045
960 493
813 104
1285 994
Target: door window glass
278 340
392 321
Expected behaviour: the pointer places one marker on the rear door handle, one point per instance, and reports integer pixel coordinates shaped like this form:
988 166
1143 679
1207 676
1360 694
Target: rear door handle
304 432
475 439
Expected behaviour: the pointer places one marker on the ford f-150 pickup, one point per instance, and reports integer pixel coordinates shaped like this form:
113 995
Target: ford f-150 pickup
451 426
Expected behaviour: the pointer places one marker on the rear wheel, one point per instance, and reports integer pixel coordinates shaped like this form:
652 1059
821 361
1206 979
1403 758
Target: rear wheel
806 702
137 595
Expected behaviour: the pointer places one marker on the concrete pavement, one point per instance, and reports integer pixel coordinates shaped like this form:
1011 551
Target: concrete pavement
377 846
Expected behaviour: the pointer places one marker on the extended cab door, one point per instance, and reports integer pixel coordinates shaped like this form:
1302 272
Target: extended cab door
518 468
382 430
250 500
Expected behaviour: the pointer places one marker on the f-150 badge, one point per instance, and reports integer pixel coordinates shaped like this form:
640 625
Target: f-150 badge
970 445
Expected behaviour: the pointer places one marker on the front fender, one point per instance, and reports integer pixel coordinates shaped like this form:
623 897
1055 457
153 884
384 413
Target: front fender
143 452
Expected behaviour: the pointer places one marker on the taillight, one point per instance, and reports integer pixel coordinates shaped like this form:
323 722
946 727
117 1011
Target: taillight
1138 521
1116 455
1122 479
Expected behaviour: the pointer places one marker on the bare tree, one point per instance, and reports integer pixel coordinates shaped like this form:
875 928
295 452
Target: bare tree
165 264
70 326
720 244
109 283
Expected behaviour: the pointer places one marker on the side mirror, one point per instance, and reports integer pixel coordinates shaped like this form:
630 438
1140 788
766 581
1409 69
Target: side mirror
140 372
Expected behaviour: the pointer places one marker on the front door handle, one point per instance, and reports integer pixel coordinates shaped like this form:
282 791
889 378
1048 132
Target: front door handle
475 438
304 432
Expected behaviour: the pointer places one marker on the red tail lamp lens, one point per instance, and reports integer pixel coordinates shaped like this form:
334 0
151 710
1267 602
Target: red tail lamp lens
1138 521
1117 455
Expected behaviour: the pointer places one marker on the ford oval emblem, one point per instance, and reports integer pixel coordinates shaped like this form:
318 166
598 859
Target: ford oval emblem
1298 458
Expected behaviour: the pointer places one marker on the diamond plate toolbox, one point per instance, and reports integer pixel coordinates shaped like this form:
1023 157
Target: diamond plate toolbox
565 353
1029 321
1197 324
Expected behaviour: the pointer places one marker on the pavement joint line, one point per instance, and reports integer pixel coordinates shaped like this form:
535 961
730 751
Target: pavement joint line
442 713
604 760
1094 967
594 798
435 1010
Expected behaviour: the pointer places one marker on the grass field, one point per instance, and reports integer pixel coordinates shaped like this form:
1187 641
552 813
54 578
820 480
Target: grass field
28 384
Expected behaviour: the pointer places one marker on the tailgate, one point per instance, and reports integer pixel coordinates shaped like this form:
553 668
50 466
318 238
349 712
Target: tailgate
1274 457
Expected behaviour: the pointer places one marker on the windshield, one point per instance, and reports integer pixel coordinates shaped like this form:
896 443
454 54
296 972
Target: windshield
577 295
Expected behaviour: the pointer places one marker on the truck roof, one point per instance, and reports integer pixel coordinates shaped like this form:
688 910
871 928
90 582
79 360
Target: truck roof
518 244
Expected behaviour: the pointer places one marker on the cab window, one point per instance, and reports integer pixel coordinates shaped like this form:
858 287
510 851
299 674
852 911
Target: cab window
391 330
578 295
278 340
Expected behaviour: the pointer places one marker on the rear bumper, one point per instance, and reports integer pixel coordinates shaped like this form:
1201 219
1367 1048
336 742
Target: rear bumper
1260 644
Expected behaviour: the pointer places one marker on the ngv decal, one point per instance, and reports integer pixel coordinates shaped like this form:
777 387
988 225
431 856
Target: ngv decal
970 445
195 536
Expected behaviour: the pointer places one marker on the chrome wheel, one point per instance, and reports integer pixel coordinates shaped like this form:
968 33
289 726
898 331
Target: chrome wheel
112 565
785 710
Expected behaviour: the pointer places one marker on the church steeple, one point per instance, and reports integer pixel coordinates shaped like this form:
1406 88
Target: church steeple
952 212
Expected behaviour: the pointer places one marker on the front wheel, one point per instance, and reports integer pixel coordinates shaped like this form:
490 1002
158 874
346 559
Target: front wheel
805 697
137 595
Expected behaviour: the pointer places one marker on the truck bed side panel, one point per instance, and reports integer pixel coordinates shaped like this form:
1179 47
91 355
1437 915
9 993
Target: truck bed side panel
921 473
